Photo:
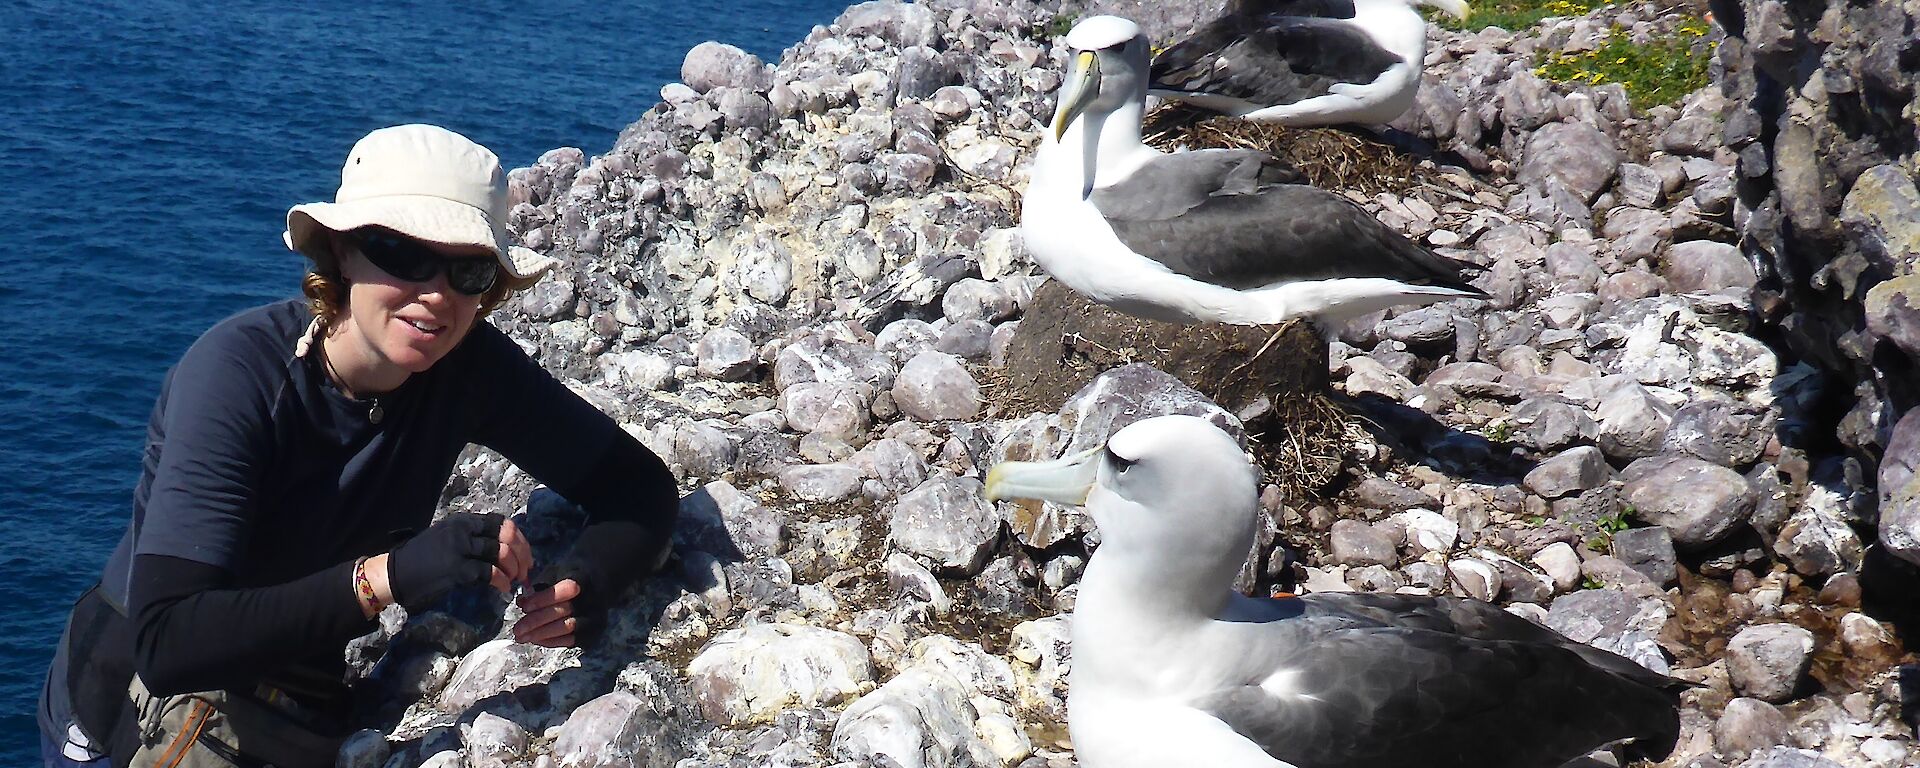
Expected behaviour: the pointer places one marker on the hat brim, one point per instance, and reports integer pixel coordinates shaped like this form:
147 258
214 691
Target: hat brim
422 217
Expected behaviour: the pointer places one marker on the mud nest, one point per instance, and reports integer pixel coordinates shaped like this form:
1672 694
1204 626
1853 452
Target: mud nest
1329 158
1275 376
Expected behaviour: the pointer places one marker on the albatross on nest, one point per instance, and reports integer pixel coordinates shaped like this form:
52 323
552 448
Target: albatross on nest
1171 666
1303 62
1205 235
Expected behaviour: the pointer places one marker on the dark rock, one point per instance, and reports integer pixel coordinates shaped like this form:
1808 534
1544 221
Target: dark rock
1724 432
1749 724
1649 551
1697 502
1549 424
1882 213
727 355
1894 314
968 339
1818 543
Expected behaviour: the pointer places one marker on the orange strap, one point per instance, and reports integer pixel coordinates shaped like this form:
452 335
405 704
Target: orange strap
196 723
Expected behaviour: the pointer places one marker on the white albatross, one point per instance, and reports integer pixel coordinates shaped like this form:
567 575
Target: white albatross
1171 666
1208 235
1303 62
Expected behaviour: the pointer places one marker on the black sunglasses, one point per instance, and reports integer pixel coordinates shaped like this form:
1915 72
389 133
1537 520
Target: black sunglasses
413 261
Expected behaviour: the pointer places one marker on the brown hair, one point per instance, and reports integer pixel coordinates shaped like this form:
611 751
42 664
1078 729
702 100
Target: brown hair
326 290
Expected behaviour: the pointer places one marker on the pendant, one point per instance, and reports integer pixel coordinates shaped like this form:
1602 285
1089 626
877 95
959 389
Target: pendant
376 413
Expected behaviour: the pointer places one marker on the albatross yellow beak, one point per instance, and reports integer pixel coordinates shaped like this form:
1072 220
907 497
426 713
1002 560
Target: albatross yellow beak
1066 480
1081 88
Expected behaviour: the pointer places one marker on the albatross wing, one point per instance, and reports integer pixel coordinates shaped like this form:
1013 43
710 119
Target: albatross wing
1243 236
1271 60
1371 696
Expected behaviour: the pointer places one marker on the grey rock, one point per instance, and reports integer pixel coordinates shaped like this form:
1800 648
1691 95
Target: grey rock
968 339
823 448
1900 521
1553 203
1640 186
1427 325
549 299
820 549
720 519
954 101
1697 135
922 71
1636 233
1633 423
366 748
1549 424
1649 551
907 577
498 666
1612 620
821 482
1473 380
742 108
726 354
1375 492
1819 544
1768 661
1723 432
903 24
819 357
925 717
838 409
1697 502
935 386
639 370
1881 213
1702 265
1749 724
903 339
1582 157
1614 573
1894 314
765 270
712 65
493 741
1571 471
976 299
1356 543
1788 757
895 464
1128 394
1574 267
700 448
1561 564
752 674
905 172
1375 578
947 521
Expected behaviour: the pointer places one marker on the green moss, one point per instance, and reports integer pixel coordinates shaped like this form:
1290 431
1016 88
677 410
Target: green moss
1060 25
1659 72
1515 15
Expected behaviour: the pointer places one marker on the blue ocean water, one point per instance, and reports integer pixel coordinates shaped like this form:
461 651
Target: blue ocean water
149 150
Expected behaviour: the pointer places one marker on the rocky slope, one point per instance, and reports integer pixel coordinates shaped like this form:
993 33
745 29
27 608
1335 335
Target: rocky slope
799 283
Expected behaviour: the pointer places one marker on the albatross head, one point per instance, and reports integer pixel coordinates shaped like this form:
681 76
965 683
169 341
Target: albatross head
1109 70
1164 484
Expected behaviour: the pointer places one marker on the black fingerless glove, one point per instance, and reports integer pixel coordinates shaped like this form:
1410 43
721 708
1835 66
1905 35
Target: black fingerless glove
458 551
608 557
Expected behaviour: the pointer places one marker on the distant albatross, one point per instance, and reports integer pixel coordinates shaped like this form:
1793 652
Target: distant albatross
1204 235
1171 666
1303 62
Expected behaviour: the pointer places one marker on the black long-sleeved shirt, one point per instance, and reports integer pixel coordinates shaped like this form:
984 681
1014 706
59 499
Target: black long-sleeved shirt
262 483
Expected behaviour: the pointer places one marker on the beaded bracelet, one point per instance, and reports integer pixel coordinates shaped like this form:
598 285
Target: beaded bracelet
363 586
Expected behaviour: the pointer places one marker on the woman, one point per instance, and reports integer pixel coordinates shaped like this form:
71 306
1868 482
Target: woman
293 464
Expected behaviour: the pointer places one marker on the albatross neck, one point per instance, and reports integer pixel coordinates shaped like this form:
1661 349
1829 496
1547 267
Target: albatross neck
1105 144
1122 587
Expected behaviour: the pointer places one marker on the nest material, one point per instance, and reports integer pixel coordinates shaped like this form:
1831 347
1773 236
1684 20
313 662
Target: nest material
1329 158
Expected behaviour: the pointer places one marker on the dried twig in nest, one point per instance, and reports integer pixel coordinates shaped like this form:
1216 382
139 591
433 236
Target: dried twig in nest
1302 448
1330 159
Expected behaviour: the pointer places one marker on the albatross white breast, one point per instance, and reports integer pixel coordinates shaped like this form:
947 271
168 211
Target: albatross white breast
1206 235
1303 62
1171 666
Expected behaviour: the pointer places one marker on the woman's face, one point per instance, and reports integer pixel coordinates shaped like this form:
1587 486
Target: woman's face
397 325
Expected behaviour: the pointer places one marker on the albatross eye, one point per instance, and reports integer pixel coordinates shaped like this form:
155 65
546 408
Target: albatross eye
1119 462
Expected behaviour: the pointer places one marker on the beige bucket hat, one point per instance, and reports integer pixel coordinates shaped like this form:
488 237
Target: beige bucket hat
425 182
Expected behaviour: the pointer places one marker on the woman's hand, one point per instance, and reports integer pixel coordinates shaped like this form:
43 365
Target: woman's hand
550 618
460 550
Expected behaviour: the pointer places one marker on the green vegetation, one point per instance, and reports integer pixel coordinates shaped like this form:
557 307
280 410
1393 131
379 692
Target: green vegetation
1659 72
1515 15
1060 25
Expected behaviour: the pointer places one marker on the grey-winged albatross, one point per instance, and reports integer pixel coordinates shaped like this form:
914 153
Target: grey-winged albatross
1203 235
1171 666
1303 62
